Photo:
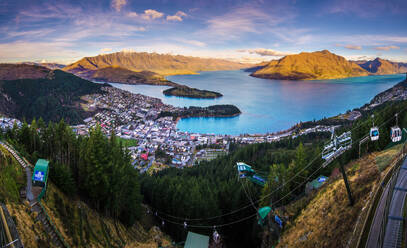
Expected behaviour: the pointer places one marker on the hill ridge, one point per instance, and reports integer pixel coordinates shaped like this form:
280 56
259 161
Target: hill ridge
310 66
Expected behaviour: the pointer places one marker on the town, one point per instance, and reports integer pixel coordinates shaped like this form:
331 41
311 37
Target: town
154 142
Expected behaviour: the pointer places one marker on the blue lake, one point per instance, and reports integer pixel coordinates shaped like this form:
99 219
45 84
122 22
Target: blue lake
268 105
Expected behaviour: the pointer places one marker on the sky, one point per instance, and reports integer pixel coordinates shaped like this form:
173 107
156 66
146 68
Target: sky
245 31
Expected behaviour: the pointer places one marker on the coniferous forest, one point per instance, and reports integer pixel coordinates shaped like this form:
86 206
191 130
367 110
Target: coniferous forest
96 168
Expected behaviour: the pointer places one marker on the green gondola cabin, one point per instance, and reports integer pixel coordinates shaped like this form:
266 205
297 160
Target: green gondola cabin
40 175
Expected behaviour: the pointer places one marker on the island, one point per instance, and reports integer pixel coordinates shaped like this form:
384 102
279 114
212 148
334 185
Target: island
185 91
225 110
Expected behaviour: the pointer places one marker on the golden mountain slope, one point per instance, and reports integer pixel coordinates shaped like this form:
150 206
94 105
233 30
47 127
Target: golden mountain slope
310 66
163 64
383 67
22 71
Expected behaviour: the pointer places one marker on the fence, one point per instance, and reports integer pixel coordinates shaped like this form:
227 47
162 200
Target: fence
392 175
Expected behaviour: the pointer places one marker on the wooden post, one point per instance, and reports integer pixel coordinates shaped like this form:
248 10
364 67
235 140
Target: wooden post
345 179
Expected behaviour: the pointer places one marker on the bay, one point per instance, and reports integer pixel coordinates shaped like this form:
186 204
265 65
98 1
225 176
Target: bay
268 105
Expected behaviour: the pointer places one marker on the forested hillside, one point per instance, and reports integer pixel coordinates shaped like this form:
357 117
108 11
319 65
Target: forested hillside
55 97
212 189
95 167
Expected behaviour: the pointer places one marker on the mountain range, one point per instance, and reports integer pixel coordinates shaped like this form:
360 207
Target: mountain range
323 65
382 66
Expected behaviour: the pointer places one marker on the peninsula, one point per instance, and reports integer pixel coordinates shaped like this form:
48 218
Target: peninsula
310 66
224 110
184 91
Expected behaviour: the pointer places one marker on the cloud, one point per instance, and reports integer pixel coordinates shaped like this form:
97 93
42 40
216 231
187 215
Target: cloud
118 4
365 8
55 51
350 47
369 40
386 48
265 52
105 50
31 33
174 18
128 50
239 21
177 17
150 14
132 14
250 20
191 42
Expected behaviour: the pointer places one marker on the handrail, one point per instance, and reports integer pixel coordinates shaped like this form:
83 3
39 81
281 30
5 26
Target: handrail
389 197
378 193
5 225
39 198
60 237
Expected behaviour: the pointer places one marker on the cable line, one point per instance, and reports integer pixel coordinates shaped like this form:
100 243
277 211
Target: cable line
275 190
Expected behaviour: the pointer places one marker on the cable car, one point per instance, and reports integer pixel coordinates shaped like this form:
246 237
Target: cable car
262 214
40 175
374 133
257 180
395 133
337 146
244 170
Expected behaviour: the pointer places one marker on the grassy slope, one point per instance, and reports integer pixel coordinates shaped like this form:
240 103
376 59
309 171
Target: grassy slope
309 66
82 226
327 220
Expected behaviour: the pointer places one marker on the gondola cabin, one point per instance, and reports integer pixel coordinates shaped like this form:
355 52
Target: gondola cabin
244 170
258 180
40 175
374 133
395 134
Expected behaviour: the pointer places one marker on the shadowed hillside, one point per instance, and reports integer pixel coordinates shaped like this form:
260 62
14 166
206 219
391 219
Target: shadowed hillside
383 67
52 95
121 75
22 71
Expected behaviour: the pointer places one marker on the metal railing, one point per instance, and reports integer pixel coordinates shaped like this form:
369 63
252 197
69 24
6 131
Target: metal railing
60 237
389 197
40 196
364 234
